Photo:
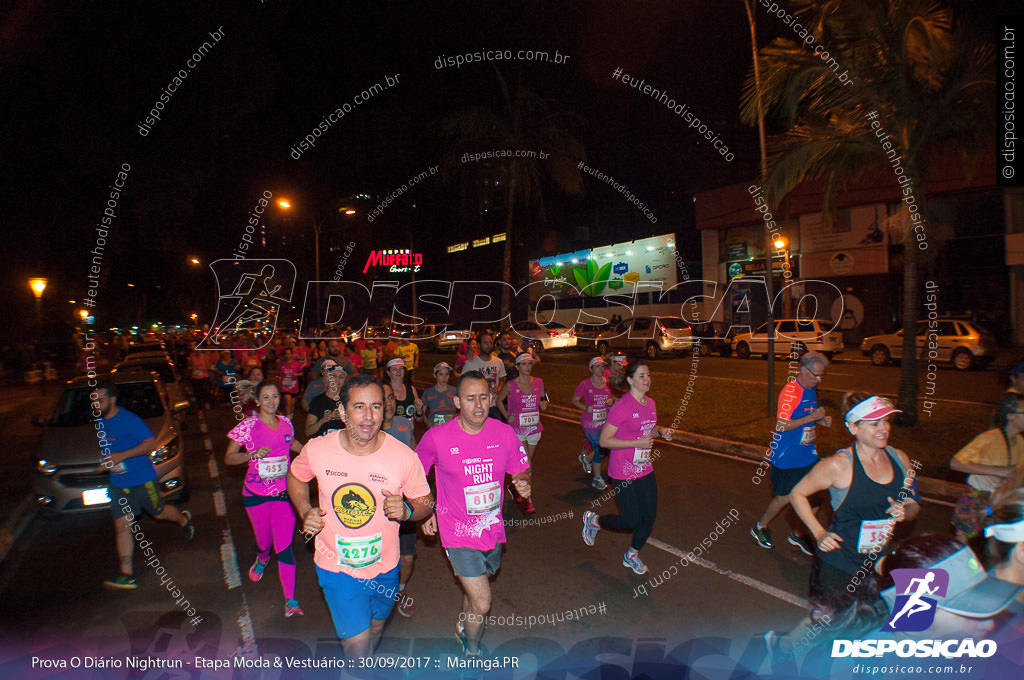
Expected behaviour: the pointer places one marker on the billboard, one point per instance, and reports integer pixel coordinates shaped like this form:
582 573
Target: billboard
607 270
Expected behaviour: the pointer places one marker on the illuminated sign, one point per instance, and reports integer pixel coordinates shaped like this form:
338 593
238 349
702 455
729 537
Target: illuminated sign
398 261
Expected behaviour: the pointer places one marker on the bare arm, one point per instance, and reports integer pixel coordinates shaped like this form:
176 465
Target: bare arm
298 493
980 469
825 474
812 417
500 399
610 441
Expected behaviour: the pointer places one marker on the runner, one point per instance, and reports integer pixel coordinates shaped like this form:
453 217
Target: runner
268 439
408 351
439 399
593 397
402 430
290 369
323 416
872 487
526 399
370 355
199 366
368 482
473 453
407 399
472 350
227 370
627 433
132 486
988 459
793 452
492 368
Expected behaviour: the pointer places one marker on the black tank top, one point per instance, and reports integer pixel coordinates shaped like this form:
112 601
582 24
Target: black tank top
866 501
406 408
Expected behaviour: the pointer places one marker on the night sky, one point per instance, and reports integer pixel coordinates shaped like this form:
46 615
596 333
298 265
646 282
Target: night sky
77 79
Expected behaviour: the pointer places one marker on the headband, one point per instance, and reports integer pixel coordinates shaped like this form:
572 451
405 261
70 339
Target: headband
1008 533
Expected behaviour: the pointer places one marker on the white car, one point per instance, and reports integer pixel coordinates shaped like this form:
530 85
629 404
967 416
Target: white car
792 336
437 337
551 336
962 343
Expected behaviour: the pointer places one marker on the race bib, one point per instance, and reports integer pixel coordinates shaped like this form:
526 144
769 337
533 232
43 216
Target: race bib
287 382
358 552
483 498
641 456
227 380
439 419
599 415
874 533
273 468
529 419
808 435
198 373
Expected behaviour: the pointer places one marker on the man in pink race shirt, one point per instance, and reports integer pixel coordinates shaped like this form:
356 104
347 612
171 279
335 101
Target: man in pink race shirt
473 453
368 483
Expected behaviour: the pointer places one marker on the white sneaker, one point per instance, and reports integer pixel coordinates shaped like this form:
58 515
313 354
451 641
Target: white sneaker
590 527
634 563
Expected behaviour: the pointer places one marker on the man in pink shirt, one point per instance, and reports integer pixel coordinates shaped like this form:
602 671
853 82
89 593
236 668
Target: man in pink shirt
368 483
473 453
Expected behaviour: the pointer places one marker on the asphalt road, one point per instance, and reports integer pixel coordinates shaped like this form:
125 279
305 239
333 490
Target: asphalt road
53 602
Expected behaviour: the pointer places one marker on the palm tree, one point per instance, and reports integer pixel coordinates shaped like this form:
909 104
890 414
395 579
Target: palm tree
527 122
925 79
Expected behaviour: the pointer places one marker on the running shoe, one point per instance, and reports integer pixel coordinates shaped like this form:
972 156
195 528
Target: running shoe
460 635
800 542
762 536
292 608
633 562
599 483
121 582
407 606
514 492
588 466
256 570
590 527
188 530
528 508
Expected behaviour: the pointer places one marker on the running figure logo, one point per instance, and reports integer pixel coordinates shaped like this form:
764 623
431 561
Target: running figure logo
917 592
258 288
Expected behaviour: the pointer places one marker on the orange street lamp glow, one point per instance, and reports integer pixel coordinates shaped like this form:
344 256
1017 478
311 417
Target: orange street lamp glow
779 244
83 313
194 260
284 204
350 211
38 285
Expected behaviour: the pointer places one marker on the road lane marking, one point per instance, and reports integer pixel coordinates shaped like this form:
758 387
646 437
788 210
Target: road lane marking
202 424
219 504
740 578
214 472
208 445
229 561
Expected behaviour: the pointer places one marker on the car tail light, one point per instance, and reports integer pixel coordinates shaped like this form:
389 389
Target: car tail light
553 334
820 337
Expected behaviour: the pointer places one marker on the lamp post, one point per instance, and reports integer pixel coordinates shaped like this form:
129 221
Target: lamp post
285 204
38 285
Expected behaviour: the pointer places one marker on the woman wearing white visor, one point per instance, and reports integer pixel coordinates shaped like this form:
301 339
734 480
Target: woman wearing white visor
871 486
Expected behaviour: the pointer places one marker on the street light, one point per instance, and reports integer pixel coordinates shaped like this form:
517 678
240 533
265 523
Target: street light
38 285
285 204
787 301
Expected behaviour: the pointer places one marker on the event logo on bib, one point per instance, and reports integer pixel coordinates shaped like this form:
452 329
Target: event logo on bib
916 601
354 505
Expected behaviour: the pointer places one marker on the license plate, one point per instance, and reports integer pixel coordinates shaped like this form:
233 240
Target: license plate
450 337
95 496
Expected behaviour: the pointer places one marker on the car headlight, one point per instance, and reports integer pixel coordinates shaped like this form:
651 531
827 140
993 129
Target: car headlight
165 452
45 467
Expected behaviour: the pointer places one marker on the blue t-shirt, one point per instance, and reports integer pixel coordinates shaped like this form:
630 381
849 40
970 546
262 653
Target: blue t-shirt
795 448
124 431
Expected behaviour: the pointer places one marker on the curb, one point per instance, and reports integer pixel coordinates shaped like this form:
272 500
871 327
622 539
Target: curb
928 486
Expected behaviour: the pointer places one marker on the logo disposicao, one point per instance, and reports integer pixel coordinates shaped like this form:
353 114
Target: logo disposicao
917 590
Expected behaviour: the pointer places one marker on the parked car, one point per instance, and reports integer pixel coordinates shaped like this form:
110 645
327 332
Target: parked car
68 476
792 336
587 334
964 344
650 335
550 336
179 392
714 336
437 337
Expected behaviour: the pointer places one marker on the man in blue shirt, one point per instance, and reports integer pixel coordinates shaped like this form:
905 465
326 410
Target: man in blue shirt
132 479
793 453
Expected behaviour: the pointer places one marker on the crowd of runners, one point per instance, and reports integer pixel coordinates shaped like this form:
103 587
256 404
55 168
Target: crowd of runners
481 428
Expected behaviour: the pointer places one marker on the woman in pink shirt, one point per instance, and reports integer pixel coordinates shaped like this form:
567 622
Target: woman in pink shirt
592 398
268 438
629 434
290 370
526 399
